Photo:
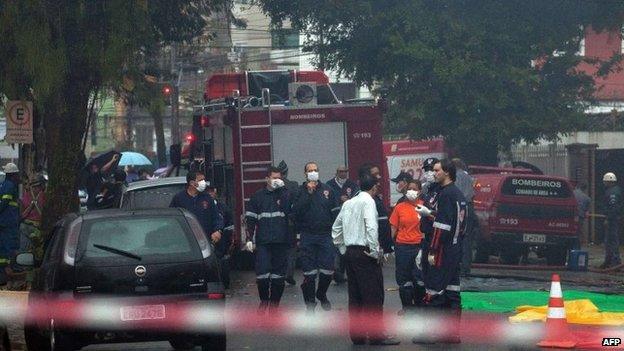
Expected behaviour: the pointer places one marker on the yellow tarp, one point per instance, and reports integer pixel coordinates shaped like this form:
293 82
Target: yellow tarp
577 311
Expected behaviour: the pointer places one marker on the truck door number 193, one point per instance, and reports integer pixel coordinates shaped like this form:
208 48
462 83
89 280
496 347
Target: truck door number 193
362 135
508 221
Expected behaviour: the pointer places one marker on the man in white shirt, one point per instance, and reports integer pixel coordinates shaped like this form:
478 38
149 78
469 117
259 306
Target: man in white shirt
355 234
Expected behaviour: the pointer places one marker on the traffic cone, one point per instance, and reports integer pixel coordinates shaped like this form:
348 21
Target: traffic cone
557 333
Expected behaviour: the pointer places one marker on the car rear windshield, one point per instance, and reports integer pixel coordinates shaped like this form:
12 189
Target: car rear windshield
153 197
152 239
536 187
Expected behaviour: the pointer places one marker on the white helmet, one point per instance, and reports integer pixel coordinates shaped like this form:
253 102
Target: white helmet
10 168
609 177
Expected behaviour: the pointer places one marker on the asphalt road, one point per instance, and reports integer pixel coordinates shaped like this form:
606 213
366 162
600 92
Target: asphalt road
244 293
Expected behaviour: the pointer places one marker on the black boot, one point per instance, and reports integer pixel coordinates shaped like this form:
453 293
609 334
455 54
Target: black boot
321 291
277 290
307 288
419 295
263 292
406 294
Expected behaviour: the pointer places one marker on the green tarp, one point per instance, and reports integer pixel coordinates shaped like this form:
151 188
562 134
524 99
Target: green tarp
507 301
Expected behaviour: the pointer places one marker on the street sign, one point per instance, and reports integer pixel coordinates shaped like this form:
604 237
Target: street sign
19 118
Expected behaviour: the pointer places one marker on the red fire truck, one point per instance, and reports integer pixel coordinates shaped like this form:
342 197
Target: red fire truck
520 210
251 120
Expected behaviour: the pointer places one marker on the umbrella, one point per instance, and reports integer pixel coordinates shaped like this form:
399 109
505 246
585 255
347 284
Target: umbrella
101 159
134 159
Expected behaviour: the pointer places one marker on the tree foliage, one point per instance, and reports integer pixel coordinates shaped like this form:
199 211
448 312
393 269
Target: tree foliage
60 53
480 73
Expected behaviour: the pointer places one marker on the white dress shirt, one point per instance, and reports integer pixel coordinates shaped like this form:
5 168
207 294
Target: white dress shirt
356 224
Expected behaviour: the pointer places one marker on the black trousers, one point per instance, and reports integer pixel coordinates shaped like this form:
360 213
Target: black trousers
366 294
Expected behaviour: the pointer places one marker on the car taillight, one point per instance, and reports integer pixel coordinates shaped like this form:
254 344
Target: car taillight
215 296
71 242
201 237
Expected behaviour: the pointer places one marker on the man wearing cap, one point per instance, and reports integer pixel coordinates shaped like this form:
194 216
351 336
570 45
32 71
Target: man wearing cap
402 180
9 217
428 176
613 208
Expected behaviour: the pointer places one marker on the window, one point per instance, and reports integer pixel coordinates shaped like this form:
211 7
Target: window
151 238
153 197
284 39
551 188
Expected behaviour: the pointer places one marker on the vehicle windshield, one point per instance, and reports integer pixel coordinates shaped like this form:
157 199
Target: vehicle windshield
536 187
147 239
152 197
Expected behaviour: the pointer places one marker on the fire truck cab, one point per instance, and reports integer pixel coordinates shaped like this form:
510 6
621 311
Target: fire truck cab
519 211
252 120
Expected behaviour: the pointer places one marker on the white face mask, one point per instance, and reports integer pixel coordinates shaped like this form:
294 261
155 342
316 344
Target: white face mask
201 185
429 176
340 180
313 176
411 195
277 183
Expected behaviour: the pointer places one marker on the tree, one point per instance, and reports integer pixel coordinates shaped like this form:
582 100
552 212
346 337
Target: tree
61 53
483 74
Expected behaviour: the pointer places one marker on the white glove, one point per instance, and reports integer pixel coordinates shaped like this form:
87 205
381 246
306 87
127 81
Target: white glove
423 211
431 259
419 260
249 246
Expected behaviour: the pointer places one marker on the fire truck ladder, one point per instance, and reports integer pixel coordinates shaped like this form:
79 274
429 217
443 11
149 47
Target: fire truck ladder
255 140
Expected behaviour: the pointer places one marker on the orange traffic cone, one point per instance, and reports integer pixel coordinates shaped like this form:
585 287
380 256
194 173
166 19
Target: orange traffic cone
557 333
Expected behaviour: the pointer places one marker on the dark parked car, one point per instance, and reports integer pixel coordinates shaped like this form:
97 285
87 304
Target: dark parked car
149 261
154 193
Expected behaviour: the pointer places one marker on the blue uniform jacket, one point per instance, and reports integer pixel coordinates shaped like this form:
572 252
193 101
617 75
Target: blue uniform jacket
203 207
349 188
267 216
613 200
9 208
315 213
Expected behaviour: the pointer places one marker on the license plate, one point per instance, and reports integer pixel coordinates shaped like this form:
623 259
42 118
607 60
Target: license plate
145 312
534 238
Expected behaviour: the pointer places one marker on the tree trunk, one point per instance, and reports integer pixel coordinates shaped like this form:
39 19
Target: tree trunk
161 148
64 136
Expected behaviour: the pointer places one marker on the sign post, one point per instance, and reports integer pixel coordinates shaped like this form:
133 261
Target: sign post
19 117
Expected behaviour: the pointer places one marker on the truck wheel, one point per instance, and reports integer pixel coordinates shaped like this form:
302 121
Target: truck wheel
510 255
556 256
